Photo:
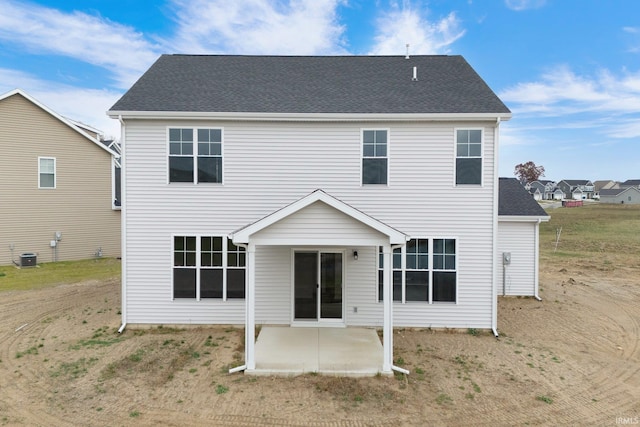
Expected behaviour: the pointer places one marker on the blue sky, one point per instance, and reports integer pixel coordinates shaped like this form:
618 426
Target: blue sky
569 70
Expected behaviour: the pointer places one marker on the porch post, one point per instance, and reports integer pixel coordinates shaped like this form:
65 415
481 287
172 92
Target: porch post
387 301
250 315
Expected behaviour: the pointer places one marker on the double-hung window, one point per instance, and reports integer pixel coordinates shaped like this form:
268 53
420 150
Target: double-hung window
208 267
444 270
375 161
209 155
46 172
423 271
195 160
180 155
468 156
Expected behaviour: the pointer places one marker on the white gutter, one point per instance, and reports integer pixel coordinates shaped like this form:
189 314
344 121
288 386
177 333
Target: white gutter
401 370
209 115
496 195
536 260
237 369
123 224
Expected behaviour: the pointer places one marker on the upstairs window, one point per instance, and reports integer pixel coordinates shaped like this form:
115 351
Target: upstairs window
209 155
180 155
46 172
199 163
468 156
374 157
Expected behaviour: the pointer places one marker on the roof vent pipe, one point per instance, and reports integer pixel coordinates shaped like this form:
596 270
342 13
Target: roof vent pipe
415 74
407 55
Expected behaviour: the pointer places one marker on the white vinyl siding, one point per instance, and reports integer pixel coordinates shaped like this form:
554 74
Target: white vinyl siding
517 238
268 165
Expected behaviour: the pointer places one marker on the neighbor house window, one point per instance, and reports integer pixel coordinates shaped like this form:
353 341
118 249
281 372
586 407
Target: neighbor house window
424 270
468 156
208 267
375 160
199 164
46 172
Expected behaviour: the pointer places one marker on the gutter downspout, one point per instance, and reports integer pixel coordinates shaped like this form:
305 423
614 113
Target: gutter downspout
123 223
494 295
536 261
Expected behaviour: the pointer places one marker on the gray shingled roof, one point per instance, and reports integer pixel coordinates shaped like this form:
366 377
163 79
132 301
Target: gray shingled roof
612 191
515 200
311 84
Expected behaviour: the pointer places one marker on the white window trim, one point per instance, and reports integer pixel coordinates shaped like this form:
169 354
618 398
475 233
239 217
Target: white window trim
455 157
195 154
403 261
388 157
198 266
55 173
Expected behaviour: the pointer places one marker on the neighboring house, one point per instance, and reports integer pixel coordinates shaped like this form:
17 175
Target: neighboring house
578 189
605 185
631 183
545 189
310 191
117 171
629 195
519 218
557 194
535 192
57 197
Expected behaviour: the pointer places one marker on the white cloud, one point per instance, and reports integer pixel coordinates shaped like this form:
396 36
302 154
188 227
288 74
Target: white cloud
561 92
403 24
519 5
286 27
92 39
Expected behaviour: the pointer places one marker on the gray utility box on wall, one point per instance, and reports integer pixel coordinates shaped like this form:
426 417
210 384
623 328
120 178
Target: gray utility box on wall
28 260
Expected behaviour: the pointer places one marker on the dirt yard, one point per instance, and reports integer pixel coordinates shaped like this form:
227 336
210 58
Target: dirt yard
572 359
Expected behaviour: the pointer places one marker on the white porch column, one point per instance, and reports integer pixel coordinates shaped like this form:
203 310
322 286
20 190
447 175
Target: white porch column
387 301
250 315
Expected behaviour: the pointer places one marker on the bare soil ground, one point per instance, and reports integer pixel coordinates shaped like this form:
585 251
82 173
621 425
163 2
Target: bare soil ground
571 359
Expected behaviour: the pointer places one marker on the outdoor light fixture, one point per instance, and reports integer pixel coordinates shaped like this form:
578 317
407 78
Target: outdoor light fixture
355 255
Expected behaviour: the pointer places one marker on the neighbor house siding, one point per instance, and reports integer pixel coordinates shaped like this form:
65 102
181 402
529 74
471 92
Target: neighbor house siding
517 238
80 205
270 165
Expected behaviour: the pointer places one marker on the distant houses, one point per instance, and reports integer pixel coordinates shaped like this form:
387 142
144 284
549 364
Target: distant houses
607 191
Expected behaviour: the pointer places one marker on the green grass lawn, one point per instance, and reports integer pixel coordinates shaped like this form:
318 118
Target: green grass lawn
594 232
56 273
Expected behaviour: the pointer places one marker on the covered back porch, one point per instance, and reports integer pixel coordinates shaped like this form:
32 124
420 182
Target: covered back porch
319 231
283 350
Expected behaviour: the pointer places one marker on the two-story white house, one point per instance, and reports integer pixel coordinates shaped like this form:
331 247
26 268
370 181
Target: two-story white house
326 191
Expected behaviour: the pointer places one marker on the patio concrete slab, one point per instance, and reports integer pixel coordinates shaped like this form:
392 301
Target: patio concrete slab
291 351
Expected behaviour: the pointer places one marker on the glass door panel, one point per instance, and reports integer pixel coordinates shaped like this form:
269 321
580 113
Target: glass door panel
306 286
330 285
